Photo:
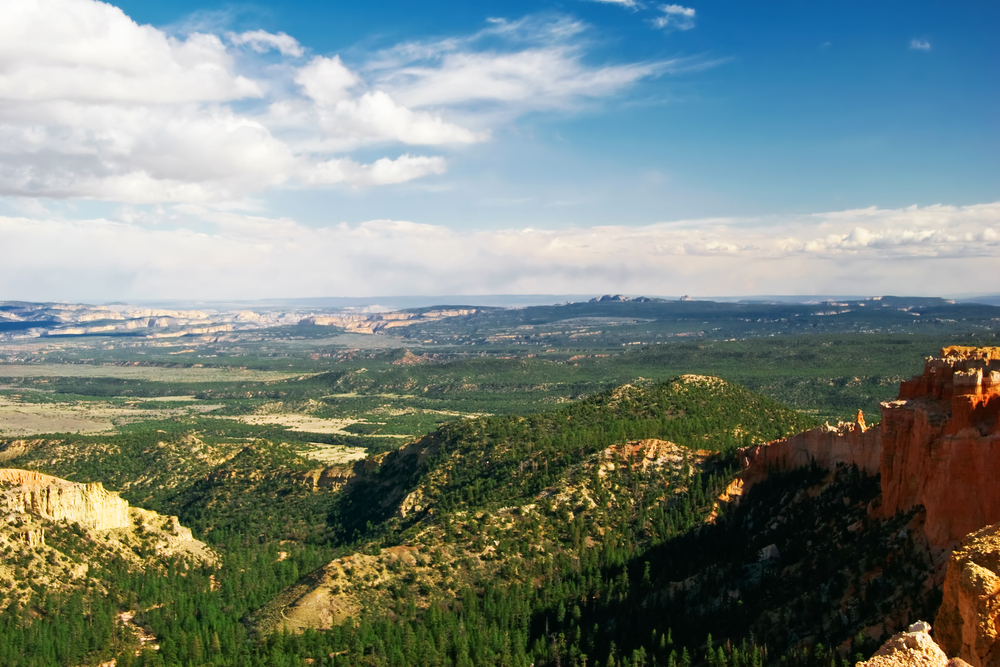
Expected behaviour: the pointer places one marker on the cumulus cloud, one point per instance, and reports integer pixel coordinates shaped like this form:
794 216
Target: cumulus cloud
262 41
93 105
865 251
675 17
348 120
81 51
920 44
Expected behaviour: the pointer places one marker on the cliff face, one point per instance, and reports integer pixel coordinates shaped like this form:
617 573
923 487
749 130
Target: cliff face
43 518
941 444
968 623
938 446
846 443
54 499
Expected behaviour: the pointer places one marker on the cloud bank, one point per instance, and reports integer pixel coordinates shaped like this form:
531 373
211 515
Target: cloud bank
188 251
93 105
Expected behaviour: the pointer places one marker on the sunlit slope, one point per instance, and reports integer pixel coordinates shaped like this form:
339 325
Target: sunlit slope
513 496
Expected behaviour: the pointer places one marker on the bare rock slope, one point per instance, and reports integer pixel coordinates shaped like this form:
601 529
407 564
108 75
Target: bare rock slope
968 623
53 530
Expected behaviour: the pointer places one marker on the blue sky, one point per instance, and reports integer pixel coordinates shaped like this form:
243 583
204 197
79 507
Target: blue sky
546 147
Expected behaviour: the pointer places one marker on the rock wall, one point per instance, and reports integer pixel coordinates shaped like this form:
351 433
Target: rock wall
941 444
938 446
331 478
968 623
847 443
54 499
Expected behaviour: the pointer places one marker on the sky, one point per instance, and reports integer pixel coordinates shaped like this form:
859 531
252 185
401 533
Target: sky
219 150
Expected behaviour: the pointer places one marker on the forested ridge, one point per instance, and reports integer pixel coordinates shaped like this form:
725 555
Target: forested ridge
539 539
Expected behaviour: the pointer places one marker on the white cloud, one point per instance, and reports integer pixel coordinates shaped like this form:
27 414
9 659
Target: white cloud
93 105
349 120
631 4
327 80
675 16
262 41
533 78
915 250
89 52
542 66
920 44
382 172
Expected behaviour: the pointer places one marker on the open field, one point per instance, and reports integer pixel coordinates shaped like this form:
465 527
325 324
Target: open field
150 373
307 424
18 419
335 454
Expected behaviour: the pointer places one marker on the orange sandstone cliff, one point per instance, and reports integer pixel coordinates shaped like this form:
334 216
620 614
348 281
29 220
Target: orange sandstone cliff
847 443
941 445
938 446
968 622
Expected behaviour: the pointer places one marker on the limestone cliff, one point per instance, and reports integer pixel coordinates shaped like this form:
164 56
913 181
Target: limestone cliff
367 323
332 477
968 623
941 444
57 528
54 499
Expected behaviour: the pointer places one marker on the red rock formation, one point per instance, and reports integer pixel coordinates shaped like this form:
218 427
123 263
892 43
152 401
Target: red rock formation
968 623
941 444
827 446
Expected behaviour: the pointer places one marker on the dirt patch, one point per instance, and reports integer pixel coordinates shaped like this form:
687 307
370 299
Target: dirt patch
307 424
334 454
20 419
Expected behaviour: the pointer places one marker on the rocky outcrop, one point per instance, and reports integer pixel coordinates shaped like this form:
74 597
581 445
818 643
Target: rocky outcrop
968 623
34 507
54 499
848 443
31 495
331 478
941 444
913 648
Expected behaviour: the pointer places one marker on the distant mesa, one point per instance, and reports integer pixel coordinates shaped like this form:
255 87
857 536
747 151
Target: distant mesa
373 323
21 320
621 297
